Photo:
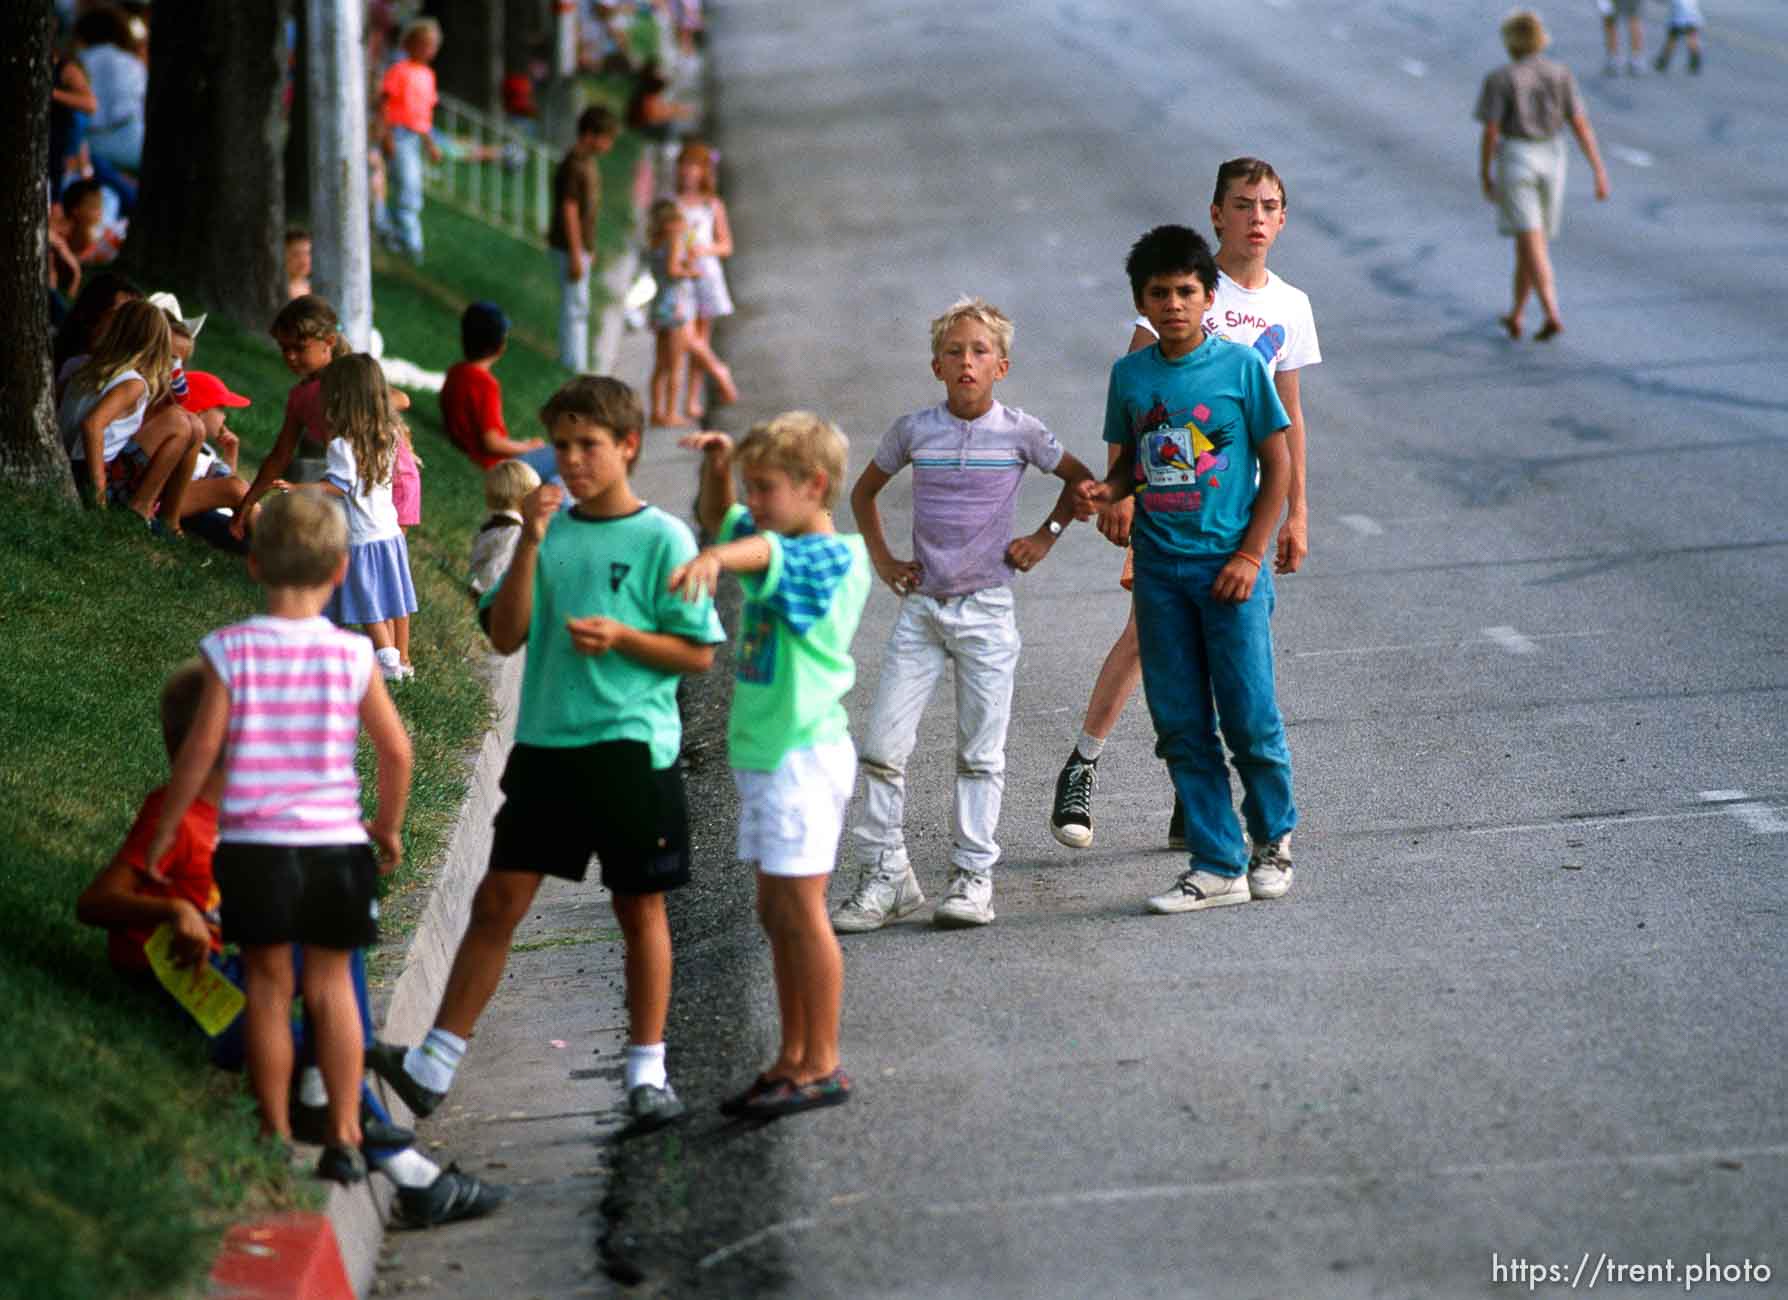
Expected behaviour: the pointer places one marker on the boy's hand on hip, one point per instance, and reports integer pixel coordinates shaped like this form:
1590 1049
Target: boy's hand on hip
698 578
902 575
1115 521
538 509
595 635
1294 544
1025 553
1235 580
389 845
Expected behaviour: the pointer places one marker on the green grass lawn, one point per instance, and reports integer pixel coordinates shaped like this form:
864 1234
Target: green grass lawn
123 1156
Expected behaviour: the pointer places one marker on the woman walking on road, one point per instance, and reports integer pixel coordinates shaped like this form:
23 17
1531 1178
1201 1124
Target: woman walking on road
1524 107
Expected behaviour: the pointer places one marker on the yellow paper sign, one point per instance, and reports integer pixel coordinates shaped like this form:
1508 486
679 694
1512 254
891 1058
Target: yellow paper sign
201 988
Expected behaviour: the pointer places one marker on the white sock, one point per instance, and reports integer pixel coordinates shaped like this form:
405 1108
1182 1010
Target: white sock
1089 746
311 1091
645 1064
434 1062
389 660
410 1168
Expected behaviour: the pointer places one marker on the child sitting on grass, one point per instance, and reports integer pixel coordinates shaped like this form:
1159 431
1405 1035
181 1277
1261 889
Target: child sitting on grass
284 698
309 336
472 399
506 486
131 902
119 455
789 736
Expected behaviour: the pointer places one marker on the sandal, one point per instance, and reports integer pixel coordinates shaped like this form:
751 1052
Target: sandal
787 1098
1511 324
741 1103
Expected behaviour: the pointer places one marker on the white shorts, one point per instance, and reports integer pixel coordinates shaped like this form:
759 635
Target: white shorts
790 819
1530 183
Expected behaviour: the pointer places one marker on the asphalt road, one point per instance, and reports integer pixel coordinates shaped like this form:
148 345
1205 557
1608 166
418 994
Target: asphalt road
1524 1006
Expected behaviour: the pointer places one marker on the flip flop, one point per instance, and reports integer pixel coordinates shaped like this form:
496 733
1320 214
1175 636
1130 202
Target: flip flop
1550 330
740 1103
786 1098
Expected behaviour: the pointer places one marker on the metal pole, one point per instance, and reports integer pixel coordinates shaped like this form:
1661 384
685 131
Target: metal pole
560 118
341 226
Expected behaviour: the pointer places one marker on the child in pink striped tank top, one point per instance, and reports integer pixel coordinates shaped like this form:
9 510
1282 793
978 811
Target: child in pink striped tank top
284 698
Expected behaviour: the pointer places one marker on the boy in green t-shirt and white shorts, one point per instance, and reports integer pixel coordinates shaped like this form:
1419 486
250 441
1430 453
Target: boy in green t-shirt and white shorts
789 735
594 767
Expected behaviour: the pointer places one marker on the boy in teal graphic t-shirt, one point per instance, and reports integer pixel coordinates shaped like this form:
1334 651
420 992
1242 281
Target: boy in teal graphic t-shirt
788 737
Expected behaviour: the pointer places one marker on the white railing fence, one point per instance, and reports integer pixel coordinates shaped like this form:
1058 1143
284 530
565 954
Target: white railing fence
492 170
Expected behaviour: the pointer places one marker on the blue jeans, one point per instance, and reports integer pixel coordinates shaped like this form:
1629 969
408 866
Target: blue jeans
574 312
1208 663
404 195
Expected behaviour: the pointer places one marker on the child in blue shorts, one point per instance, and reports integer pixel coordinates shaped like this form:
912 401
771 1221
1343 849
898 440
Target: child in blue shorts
1196 420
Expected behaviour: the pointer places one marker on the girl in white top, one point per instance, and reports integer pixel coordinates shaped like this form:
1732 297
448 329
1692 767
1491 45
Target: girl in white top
710 239
119 457
362 455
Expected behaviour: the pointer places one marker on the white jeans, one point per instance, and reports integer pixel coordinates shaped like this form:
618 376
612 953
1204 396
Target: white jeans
574 312
978 634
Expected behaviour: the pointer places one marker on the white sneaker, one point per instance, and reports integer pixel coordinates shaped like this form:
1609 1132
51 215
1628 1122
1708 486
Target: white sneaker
1269 870
878 899
1196 890
968 902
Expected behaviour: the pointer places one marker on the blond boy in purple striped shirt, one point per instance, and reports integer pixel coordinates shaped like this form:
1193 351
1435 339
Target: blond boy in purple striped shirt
969 454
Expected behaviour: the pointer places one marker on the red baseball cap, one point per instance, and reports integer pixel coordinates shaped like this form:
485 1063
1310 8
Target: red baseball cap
205 390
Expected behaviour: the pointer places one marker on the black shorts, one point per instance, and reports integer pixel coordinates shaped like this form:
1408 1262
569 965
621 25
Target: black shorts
321 894
562 805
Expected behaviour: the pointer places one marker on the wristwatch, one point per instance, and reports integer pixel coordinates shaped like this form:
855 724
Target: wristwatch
1054 527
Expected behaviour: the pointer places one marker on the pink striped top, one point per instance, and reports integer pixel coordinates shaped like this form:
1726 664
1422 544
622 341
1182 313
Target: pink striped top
295 690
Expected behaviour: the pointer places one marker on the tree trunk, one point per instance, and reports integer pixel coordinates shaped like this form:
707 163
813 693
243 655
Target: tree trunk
30 452
297 160
210 220
470 65
340 221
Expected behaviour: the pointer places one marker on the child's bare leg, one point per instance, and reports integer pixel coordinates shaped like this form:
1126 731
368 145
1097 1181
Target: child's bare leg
700 354
820 970
335 1017
1530 246
772 904
645 932
664 377
703 329
1119 676
400 636
167 439
382 636
497 908
267 1033
213 494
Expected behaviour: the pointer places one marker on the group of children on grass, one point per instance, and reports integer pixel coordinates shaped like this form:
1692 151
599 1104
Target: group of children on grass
614 602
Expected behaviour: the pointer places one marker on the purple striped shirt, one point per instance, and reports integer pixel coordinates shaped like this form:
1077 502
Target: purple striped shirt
295 690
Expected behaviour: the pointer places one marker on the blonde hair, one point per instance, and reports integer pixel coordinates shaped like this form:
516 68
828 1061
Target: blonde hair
419 27
309 316
357 409
299 540
980 311
135 338
703 156
800 444
659 219
1523 33
507 482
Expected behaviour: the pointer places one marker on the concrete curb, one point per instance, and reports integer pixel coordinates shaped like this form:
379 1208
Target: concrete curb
359 1213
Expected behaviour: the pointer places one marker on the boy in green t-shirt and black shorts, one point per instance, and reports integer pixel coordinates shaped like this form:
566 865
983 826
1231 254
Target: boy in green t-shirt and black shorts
594 767
789 736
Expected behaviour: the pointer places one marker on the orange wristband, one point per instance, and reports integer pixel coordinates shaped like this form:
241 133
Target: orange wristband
1243 555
